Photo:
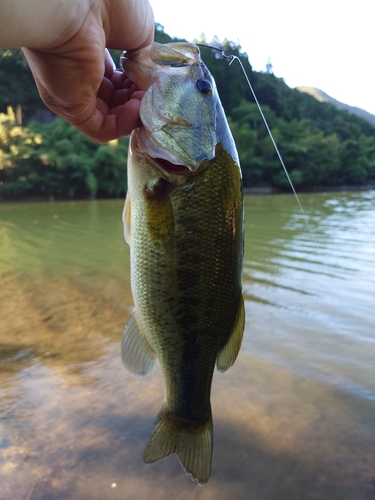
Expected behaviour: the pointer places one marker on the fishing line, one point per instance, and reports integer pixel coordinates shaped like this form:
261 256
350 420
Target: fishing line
230 59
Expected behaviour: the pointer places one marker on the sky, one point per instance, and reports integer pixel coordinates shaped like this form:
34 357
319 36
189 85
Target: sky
325 44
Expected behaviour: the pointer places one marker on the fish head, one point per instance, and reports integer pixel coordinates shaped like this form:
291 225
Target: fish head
181 111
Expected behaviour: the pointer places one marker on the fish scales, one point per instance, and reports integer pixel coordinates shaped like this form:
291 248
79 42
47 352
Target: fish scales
179 277
186 238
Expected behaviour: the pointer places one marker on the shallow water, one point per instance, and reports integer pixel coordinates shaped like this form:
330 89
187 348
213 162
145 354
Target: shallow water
293 419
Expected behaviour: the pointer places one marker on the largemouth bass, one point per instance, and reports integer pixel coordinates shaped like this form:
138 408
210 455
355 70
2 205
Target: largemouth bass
183 220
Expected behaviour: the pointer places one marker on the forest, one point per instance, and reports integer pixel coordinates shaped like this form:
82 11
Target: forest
322 147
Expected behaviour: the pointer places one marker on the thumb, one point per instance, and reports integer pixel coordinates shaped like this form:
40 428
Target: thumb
128 24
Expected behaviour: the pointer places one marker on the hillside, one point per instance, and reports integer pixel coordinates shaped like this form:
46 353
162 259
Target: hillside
320 144
323 97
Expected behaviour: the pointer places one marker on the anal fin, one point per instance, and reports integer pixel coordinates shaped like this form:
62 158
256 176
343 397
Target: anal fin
136 353
228 354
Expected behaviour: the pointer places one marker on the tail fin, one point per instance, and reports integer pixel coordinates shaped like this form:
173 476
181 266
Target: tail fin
191 441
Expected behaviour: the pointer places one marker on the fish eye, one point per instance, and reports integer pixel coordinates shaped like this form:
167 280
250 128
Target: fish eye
204 86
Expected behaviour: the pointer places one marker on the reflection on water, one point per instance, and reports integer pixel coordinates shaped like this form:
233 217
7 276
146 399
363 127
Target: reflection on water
293 418
314 301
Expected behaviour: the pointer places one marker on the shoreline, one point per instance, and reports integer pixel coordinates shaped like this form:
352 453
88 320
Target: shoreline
317 189
265 190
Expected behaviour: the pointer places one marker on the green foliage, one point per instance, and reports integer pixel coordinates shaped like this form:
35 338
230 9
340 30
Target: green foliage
109 168
58 160
17 86
320 145
355 163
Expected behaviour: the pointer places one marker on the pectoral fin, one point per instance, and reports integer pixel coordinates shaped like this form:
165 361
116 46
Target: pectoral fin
126 219
160 222
228 354
136 353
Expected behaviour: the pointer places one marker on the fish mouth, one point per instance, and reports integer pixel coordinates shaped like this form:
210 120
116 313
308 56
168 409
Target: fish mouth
171 168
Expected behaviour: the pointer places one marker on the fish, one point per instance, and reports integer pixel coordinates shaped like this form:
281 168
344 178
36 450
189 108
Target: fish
183 220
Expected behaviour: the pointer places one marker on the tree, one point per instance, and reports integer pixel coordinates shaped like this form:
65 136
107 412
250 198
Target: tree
355 166
17 86
58 160
319 144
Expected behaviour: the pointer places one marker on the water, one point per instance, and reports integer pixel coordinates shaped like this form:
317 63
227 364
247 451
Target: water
294 417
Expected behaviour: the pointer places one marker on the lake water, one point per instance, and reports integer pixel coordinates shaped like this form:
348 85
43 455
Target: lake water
294 418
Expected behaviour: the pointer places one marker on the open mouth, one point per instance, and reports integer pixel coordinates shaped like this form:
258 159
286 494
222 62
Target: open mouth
171 168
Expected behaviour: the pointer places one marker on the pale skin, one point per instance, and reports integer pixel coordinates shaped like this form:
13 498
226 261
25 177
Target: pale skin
65 42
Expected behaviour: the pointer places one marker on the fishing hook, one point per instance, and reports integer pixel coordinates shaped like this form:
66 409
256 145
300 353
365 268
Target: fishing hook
231 57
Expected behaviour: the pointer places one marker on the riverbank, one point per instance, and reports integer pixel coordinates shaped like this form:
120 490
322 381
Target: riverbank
265 190
316 189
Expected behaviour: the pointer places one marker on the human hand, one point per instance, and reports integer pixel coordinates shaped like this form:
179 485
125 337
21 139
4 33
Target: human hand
76 76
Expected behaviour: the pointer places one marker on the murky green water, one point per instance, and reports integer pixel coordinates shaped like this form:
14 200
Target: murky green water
293 419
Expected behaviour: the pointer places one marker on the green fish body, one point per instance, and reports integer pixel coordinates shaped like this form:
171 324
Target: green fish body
183 220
